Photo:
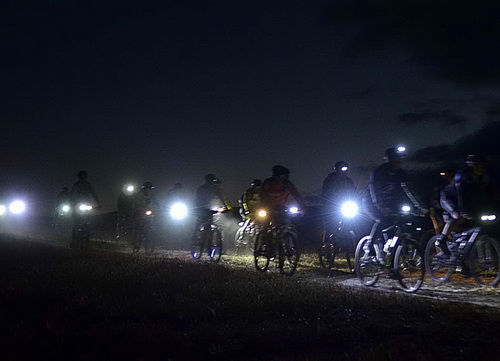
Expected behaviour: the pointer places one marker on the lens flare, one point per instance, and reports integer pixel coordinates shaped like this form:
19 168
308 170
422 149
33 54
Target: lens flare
179 211
349 209
17 207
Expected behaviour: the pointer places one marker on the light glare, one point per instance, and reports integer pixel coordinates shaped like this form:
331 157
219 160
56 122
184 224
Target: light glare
349 209
406 209
17 207
178 211
3 209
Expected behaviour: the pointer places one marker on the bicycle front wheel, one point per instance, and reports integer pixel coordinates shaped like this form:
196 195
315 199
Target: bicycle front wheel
440 270
366 265
216 249
327 252
484 261
261 253
409 265
288 254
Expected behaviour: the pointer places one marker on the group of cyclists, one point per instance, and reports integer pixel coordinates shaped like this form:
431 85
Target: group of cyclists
380 200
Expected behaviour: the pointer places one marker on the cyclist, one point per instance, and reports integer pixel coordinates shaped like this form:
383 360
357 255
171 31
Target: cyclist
81 192
277 188
337 188
387 192
145 201
468 189
250 200
209 197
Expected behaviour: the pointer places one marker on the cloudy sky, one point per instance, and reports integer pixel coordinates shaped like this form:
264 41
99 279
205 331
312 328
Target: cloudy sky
167 91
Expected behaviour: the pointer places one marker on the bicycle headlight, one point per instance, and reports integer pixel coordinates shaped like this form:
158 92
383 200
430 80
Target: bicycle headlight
178 211
262 213
488 217
17 207
406 209
294 210
349 209
65 208
84 207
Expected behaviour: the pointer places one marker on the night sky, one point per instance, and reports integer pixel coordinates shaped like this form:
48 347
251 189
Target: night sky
167 91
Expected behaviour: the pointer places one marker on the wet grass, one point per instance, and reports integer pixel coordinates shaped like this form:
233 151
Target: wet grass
60 304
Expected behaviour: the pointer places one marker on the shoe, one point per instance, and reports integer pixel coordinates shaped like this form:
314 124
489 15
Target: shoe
442 248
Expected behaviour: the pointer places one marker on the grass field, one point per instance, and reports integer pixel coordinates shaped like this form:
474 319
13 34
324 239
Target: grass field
59 304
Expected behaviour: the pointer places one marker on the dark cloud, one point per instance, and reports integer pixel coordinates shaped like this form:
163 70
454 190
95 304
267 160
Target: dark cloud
459 40
484 142
447 117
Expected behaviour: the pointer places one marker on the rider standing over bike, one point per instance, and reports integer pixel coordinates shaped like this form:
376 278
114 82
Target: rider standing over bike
82 192
460 199
387 192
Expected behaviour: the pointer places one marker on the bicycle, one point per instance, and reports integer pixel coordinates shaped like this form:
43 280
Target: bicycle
277 241
143 233
209 237
472 252
80 235
341 240
401 255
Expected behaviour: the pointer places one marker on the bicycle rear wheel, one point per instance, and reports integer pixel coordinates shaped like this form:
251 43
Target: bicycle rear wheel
366 265
288 254
261 253
484 261
440 270
409 265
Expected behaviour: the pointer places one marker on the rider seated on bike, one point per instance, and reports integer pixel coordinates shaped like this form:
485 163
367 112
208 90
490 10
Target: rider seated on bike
209 197
82 192
250 200
337 188
276 190
144 202
460 199
386 193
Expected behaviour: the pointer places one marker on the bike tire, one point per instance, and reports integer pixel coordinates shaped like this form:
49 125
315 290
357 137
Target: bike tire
437 269
484 261
367 268
216 246
197 246
409 265
261 253
288 254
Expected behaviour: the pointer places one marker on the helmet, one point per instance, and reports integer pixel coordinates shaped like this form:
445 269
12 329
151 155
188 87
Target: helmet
256 183
210 178
341 166
392 154
474 159
147 185
82 174
279 170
